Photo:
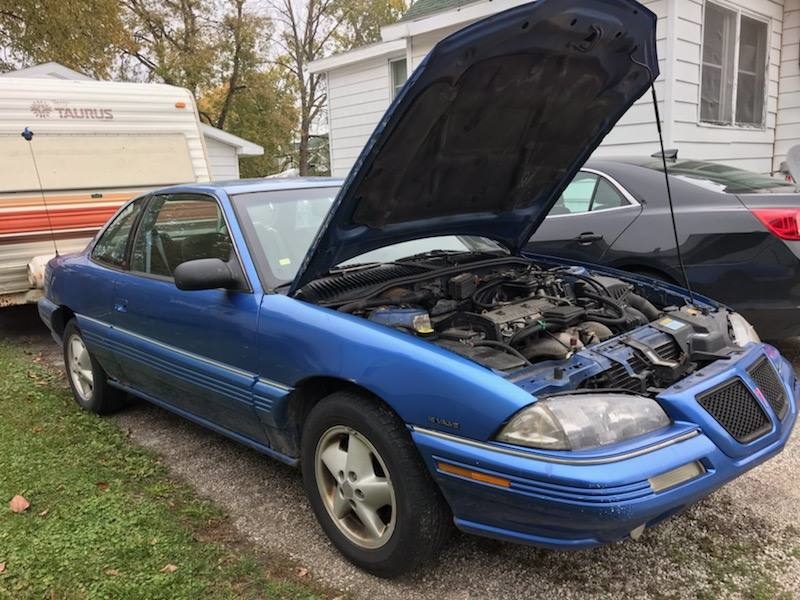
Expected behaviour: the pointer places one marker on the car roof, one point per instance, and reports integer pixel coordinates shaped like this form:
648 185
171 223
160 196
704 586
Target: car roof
251 186
633 161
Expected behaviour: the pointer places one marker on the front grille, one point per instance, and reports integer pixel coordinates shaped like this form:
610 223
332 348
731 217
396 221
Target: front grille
768 382
737 410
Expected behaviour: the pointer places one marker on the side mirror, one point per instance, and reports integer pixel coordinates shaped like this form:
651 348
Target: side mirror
205 274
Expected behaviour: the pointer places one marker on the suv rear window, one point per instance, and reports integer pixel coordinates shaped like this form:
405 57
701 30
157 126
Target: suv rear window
722 178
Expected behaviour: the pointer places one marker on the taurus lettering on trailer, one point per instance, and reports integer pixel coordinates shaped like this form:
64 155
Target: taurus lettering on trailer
42 109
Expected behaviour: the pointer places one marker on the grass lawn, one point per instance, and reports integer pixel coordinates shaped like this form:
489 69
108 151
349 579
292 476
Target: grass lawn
105 520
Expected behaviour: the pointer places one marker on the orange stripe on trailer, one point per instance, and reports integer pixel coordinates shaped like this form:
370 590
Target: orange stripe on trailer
38 220
47 236
55 200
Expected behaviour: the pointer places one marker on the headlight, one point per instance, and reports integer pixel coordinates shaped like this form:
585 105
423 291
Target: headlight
583 421
743 332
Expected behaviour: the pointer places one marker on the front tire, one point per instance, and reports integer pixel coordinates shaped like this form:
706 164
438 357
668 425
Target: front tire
369 488
87 380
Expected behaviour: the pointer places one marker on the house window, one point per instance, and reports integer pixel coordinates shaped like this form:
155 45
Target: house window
399 72
734 68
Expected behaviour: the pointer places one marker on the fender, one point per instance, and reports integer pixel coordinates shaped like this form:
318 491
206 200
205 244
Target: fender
424 384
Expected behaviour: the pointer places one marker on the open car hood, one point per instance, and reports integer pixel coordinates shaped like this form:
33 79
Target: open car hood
491 128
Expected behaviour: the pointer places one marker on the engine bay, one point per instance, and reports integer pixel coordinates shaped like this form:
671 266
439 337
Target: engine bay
509 314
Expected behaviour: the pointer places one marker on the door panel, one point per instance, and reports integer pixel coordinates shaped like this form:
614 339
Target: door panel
586 221
99 274
197 350
193 350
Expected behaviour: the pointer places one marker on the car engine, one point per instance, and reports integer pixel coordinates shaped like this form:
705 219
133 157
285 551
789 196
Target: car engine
510 313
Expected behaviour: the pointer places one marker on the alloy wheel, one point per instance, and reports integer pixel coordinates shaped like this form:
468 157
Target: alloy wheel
79 365
355 487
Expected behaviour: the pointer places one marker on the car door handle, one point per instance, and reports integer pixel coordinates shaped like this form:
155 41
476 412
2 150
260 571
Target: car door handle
121 306
588 237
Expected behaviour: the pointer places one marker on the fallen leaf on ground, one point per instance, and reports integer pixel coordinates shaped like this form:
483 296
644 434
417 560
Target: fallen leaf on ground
102 486
44 513
169 569
2 567
19 504
112 572
302 572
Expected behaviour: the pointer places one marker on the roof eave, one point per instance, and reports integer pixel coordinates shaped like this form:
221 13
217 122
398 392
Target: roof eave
460 15
385 48
243 146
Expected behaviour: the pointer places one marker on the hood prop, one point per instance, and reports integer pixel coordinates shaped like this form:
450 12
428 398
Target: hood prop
684 272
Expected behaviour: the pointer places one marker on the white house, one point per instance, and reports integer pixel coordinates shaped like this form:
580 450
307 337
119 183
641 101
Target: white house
222 148
729 88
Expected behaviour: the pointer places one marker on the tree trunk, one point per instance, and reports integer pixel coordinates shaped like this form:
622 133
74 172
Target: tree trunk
303 151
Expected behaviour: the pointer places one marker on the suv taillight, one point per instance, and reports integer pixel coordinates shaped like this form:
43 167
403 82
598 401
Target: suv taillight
783 222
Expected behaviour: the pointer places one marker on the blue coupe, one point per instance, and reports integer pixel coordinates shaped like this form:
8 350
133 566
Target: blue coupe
387 335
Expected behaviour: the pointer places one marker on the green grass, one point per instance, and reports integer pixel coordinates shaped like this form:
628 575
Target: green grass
105 518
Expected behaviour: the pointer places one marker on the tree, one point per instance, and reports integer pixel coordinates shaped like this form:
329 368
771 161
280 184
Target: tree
360 21
198 44
264 111
81 34
310 29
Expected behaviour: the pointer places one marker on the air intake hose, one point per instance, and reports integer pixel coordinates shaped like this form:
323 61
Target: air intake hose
644 306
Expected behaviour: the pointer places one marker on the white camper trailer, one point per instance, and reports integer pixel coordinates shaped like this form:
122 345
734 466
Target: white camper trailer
94 146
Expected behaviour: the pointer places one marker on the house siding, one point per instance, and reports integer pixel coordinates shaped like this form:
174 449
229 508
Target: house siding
358 96
360 93
421 45
787 133
222 160
636 133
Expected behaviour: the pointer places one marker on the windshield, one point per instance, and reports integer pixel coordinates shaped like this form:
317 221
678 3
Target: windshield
280 227
721 178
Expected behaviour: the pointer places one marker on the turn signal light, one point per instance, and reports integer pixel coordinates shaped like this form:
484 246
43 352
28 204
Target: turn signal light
783 222
474 475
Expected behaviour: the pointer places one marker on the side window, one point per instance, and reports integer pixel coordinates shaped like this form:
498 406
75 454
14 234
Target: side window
607 196
176 229
588 193
577 198
399 71
111 246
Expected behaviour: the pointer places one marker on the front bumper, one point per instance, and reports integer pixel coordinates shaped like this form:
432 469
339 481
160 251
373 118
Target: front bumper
578 500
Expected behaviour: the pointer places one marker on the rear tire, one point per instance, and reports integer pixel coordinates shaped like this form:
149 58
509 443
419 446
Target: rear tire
87 380
383 512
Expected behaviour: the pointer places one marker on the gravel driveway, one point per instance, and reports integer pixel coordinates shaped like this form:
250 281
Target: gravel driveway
742 542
